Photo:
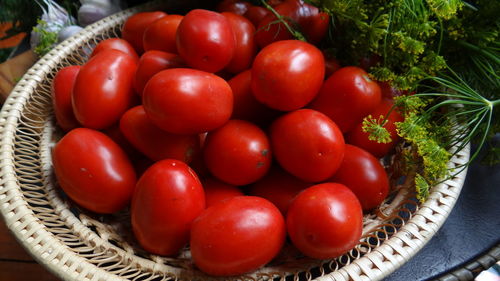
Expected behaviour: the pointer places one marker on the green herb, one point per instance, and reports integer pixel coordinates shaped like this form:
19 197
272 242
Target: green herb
47 38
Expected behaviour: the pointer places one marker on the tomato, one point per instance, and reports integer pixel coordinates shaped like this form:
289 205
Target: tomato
154 142
160 35
279 187
187 101
245 47
237 236
205 40
238 153
152 62
115 44
93 171
307 144
331 65
61 89
364 175
116 135
359 138
234 6
217 191
103 89
390 92
134 27
256 14
168 197
287 75
347 97
325 221
369 61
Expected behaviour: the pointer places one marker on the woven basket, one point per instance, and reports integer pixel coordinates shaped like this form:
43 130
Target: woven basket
77 245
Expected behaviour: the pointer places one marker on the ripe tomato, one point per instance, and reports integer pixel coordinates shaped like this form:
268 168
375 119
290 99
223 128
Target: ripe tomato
116 135
62 86
160 35
347 97
187 101
238 153
154 142
325 221
287 75
152 62
205 40
234 6
245 47
217 191
256 14
115 44
168 197
364 175
279 187
359 138
331 65
93 171
390 92
237 236
307 144
134 27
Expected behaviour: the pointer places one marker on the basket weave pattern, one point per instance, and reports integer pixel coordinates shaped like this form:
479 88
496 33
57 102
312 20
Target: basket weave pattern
77 245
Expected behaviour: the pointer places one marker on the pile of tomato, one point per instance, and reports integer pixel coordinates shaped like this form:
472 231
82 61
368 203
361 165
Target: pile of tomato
222 132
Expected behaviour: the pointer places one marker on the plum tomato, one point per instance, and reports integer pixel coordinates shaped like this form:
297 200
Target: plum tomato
287 75
205 40
347 96
307 144
187 101
245 48
364 175
93 171
134 27
256 14
103 89
61 89
115 44
161 34
237 236
238 153
167 198
324 221
217 191
234 6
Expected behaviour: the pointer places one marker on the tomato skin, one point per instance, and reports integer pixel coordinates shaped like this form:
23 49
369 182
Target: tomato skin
161 34
93 171
61 89
152 62
307 144
205 40
362 173
325 221
168 197
360 139
234 6
390 92
187 101
238 153
237 236
347 96
103 89
256 14
134 27
115 44
245 46
331 65
287 75
217 191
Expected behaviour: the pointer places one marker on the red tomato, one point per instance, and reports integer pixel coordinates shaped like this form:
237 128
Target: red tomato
245 47
62 86
279 187
205 40
154 142
256 14
217 191
359 138
331 65
238 153
287 75
93 171
103 89
347 97
160 35
116 135
325 221
307 144
134 27
237 236
234 6
187 101
152 62
390 92
364 175
168 197
115 44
